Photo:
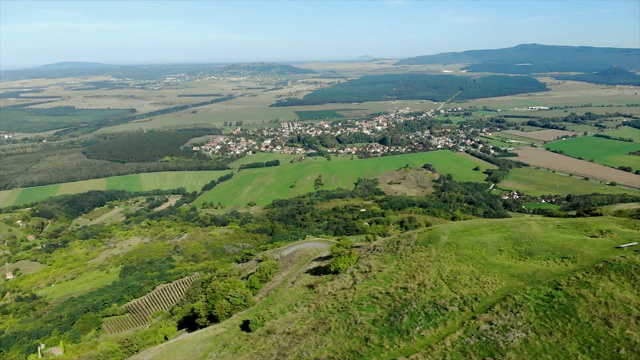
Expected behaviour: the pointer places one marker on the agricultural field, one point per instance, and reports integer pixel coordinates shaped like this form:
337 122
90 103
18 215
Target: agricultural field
508 137
190 180
264 185
604 151
263 157
565 93
318 114
542 135
625 132
34 120
568 165
500 286
536 182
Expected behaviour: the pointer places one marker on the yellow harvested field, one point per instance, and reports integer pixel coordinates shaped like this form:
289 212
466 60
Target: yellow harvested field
549 160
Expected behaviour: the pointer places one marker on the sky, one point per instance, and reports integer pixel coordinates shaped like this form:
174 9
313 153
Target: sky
35 33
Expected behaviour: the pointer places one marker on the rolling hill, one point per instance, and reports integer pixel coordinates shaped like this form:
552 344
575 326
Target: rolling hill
535 58
513 288
611 76
260 68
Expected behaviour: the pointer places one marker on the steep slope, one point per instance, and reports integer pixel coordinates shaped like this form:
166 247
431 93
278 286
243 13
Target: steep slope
520 288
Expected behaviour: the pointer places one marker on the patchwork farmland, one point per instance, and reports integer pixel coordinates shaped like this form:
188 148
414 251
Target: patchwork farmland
548 160
601 150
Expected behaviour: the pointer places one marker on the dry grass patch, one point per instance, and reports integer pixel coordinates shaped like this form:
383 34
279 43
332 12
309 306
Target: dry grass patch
412 182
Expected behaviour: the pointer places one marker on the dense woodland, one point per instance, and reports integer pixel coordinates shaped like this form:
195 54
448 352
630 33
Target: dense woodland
418 87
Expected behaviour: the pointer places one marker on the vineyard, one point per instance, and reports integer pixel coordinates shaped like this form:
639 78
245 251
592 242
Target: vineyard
141 309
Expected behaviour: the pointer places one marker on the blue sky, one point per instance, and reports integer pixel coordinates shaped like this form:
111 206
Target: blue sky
133 32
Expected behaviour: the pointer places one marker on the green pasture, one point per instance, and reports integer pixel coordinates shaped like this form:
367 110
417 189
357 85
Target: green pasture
190 180
625 132
38 193
34 120
318 114
580 128
263 185
602 151
89 280
263 157
9 197
537 182
541 206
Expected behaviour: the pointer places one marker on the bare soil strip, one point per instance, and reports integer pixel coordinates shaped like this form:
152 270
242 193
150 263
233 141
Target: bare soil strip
548 160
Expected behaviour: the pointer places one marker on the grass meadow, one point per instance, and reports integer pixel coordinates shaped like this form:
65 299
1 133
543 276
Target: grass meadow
537 182
600 150
625 132
86 282
264 185
190 180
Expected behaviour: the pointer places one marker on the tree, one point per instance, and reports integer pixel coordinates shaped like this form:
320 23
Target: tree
343 255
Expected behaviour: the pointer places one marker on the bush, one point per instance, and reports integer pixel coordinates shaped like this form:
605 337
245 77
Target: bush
343 256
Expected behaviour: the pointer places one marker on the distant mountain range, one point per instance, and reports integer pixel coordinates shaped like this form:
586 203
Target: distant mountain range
535 58
75 65
148 72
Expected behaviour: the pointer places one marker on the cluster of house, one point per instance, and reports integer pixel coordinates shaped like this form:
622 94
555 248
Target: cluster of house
276 139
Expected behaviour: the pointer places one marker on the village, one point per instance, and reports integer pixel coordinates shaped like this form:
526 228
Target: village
371 131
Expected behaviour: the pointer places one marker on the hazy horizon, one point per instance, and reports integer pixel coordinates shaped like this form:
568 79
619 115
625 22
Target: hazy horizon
168 32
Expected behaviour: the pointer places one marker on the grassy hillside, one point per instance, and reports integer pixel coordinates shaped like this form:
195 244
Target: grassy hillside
190 180
511 288
264 185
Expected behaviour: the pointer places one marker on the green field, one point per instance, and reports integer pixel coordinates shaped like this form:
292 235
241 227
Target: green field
625 132
33 120
318 114
541 206
264 185
262 157
190 180
90 280
541 182
513 288
600 150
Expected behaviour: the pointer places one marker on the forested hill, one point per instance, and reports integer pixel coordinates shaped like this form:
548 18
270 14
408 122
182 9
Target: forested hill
535 58
418 87
612 76
261 68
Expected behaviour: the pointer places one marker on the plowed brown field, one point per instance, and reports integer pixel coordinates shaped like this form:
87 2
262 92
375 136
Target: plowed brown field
546 159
